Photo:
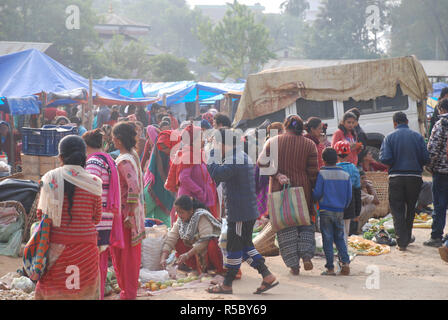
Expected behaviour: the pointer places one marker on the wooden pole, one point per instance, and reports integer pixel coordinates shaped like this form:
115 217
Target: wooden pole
164 99
197 103
90 104
12 145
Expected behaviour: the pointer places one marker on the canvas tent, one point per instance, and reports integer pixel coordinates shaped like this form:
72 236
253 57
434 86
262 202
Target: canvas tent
32 72
273 90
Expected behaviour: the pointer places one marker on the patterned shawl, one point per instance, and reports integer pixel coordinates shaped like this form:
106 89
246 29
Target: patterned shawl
51 198
187 230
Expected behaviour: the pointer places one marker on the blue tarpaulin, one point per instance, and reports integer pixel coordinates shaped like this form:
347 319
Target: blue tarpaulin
129 88
31 72
21 106
190 91
433 100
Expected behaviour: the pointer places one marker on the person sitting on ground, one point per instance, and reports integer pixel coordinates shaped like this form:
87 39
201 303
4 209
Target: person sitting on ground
369 201
195 237
333 191
369 164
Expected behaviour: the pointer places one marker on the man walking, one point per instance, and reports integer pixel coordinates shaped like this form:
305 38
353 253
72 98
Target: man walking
437 148
405 152
237 173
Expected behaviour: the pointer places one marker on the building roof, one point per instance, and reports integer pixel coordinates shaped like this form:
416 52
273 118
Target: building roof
433 68
111 18
7 47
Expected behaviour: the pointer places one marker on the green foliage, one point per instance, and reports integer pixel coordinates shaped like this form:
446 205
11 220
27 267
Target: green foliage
295 8
166 68
237 45
45 21
419 28
340 32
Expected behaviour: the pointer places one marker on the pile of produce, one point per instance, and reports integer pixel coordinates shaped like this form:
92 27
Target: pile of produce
423 220
365 247
373 226
161 285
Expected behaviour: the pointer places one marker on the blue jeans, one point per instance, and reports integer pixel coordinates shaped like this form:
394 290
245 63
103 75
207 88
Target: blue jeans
440 195
332 229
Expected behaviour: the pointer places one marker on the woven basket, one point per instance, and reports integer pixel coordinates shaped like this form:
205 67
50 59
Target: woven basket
30 219
380 181
265 242
18 175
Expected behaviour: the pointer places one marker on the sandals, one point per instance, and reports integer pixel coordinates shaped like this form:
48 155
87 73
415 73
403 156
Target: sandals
218 289
328 272
267 286
308 265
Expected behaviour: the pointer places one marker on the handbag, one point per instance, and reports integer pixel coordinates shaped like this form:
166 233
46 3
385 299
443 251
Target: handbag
35 254
288 208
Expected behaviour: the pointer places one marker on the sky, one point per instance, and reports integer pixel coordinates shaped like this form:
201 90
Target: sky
272 6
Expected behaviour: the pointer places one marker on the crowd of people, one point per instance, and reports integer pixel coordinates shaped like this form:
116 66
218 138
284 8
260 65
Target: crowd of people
189 176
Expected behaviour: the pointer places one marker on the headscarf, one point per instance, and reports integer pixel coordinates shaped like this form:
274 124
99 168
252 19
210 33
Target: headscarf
51 198
209 117
188 230
153 133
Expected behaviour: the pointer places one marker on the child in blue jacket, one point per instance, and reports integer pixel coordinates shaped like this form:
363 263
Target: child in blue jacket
333 191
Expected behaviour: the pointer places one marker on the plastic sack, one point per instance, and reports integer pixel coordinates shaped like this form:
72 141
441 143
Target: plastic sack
11 237
24 284
152 247
157 276
222 241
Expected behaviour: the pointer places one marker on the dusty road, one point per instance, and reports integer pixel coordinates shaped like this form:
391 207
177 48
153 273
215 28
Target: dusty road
418 273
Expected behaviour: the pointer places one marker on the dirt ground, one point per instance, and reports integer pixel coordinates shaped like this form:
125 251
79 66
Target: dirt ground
418 273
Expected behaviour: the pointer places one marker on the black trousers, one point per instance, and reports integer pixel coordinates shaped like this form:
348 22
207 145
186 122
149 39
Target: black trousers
403 196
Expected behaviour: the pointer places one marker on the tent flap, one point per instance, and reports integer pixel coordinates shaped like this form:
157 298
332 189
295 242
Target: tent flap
22 106
273 90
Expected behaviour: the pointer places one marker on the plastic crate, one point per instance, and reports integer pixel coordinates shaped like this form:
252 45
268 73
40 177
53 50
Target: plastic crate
45 141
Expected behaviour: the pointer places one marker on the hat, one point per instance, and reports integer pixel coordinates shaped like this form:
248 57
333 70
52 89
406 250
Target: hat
209 117
342 148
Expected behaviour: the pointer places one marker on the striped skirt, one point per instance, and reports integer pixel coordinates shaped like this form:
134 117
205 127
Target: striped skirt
295 243
74 275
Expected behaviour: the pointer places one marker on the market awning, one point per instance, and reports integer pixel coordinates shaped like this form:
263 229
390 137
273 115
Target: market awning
32 72
20 106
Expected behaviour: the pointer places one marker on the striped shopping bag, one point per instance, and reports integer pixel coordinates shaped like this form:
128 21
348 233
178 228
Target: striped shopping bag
288 208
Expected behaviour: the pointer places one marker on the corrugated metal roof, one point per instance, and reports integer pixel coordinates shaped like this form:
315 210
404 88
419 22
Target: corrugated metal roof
433 68
7 47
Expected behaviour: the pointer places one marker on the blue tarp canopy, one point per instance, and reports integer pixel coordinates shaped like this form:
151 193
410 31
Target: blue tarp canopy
31 72
433 99
129 88
20 106
189 91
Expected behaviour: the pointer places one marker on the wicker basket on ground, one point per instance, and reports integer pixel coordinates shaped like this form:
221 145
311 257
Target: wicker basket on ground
264 242
380 181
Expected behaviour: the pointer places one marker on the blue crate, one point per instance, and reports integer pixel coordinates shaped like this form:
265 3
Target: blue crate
44 141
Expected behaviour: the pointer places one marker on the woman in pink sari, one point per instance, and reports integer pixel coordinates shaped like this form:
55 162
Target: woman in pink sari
189 175
110 229
128 259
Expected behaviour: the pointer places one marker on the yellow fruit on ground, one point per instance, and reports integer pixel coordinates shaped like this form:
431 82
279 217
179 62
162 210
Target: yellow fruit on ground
154 287
163 287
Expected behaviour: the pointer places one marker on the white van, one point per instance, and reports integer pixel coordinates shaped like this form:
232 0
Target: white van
375 120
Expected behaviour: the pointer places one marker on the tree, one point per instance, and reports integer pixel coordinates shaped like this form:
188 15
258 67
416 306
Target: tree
341 31
45 21
126 60
295 8
237 45
166 68
418 27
